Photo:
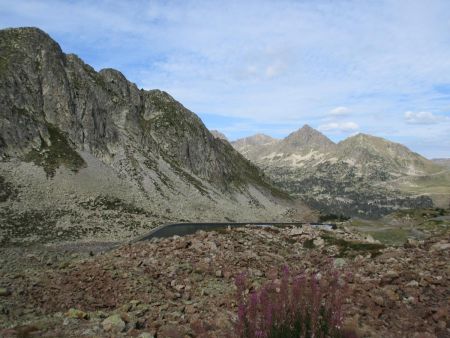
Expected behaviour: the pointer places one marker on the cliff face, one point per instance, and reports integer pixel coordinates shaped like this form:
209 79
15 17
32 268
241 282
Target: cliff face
42 90
59 114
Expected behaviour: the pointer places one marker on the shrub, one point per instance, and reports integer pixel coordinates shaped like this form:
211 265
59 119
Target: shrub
332 217
299 305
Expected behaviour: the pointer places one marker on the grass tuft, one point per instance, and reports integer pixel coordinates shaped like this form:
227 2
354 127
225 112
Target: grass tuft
56 153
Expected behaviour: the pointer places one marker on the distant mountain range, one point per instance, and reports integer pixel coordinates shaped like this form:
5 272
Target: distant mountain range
363 175
86 154
442 161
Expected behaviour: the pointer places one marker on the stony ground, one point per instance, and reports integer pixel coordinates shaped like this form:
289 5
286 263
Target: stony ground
184 286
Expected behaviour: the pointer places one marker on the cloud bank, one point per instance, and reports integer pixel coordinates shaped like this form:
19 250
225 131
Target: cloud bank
424 117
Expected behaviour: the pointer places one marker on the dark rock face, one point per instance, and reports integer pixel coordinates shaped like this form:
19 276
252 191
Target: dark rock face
43 89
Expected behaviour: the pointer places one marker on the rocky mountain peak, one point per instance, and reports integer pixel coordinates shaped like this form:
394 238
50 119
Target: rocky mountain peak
375 145
308 138
254 140
27 39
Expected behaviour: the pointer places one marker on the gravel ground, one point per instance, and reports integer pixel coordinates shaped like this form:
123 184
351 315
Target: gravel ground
184 286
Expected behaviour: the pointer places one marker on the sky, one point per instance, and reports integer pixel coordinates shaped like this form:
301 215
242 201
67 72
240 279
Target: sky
246 67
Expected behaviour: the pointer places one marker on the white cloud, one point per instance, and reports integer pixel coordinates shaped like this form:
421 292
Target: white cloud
423 117
342 127
340 111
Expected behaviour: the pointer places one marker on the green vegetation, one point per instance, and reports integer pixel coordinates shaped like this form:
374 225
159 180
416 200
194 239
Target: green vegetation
351 248
6 190
397 227
419 214
167 116
332 217
55 153
437 186
309 244
11 41
4 63
393 236
34 226
113 203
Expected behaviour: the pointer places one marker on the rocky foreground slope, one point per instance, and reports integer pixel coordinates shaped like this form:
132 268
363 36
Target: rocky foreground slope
184 286
86 154
362 176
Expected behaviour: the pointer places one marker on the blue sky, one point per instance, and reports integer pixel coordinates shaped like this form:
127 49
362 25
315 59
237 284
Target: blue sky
378 67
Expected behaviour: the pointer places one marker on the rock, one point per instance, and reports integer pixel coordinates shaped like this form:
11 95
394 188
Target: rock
296 232
77 314
370 239
413 283
113 323
440 247
339 263
146 335
411 243
390 276
179 287
219 273
379 300
4 292
440 313
258 273
319 242
391 295
409 300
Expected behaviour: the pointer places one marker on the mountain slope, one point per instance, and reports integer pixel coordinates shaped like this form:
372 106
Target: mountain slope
442 161
74 141
362 176
219 135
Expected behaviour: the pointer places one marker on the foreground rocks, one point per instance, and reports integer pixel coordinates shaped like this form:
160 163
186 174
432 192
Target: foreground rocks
185 285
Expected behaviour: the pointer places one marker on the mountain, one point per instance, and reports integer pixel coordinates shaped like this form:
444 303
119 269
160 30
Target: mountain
442 161
87 154
305 143
364 176
307 138
255 143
